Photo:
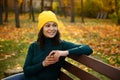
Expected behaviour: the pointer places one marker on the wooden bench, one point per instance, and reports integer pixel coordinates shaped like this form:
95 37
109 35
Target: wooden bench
111 72
98 66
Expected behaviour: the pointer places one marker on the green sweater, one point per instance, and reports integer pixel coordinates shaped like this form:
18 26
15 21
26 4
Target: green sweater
33 68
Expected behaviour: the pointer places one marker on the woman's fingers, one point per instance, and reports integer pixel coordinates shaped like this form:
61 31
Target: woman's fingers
49 60
52 58
52 53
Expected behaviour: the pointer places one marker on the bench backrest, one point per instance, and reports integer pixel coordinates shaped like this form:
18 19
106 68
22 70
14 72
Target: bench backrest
101 67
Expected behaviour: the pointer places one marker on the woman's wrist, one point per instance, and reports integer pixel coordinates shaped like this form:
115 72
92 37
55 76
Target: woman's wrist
65 53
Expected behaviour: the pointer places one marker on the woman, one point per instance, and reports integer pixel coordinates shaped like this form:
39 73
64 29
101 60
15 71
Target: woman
46 55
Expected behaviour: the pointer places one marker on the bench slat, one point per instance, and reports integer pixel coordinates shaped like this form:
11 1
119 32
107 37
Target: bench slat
78 72
63 76
98 66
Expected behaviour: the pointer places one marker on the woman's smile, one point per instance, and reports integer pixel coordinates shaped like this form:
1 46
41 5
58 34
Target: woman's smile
50 29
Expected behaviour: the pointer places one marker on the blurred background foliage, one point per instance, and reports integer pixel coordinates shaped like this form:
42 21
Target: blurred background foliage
92 22
99 9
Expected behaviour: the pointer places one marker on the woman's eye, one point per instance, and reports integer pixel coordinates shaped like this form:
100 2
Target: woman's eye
47 25
54 25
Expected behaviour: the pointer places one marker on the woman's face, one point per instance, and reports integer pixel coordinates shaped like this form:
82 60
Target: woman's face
50 29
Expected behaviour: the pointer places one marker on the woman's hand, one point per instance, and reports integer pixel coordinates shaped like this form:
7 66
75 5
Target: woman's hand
58 53
53 57
48 61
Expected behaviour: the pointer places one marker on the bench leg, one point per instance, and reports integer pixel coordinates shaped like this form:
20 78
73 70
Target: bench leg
19 76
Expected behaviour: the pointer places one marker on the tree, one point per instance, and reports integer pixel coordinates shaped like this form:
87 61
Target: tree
60 7
82 12
51 4
6 10
116 6
21 6
42 5
116 10
72 11
17 14
32 11
63 7
1 11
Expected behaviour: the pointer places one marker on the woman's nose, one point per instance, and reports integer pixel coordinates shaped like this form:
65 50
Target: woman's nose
51 27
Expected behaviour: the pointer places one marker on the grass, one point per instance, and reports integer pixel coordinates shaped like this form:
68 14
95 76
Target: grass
12 55
14 42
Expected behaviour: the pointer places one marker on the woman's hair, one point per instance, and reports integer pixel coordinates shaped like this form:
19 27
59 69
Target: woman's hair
41 39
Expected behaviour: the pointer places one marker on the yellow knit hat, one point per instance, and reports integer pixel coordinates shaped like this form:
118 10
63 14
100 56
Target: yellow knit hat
46 16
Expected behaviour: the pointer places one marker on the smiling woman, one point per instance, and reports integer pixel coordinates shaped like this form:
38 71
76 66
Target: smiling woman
46 56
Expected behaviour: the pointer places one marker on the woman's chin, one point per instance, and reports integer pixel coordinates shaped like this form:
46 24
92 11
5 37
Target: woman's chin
51 36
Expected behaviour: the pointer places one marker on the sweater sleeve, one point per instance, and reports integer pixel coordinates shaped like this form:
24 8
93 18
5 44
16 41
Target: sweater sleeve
29 68
77 49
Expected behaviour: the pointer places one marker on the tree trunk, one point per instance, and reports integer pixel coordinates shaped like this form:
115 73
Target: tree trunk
116 6
51 5
82 11
6 10
117 13
21 8
42 5
1 11
32 11
72 11
17 14
60 7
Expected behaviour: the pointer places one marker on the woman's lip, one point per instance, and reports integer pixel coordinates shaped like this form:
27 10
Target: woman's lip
51 32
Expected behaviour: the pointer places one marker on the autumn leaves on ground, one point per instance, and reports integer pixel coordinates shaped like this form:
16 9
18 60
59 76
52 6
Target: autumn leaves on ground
102 36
